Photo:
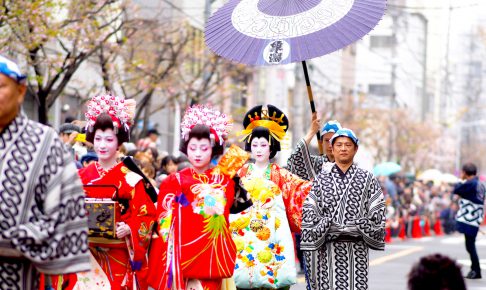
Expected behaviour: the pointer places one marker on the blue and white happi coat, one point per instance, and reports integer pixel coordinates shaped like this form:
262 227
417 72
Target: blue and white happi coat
343 217
471 206
303 164
43 224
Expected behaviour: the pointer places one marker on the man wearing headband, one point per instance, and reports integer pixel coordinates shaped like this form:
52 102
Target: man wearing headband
342 218
43 225
301 162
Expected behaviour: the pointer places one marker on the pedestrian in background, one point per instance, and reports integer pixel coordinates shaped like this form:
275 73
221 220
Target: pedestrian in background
88 158
168 165
71 135
43 224
150 141
470 214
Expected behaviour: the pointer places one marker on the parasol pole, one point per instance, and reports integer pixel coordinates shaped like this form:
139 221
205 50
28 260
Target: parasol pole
312 105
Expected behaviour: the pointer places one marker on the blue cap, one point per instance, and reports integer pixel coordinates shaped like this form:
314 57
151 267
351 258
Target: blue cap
90 156
331 127
344 132
11 69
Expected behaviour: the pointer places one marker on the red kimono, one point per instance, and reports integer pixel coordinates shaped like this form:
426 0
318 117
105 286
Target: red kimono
194 243
114 255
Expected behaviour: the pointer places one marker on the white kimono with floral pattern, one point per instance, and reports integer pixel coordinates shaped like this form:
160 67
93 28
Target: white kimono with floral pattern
262 234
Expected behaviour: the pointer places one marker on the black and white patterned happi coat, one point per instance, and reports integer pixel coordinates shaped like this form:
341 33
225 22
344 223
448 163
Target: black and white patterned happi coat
342 218
43 225
304 165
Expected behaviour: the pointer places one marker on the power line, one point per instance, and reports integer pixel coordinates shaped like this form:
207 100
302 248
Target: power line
184 12
433 8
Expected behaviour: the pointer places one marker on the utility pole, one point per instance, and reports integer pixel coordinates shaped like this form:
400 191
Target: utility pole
425 99
392 128
444 100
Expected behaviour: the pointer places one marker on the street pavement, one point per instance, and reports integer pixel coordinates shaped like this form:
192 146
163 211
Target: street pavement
389 268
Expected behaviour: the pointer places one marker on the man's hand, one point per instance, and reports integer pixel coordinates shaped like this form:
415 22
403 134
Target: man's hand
313 129
72 138
122 230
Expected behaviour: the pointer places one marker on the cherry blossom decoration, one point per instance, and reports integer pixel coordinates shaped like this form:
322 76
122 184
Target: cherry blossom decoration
220 125
120 110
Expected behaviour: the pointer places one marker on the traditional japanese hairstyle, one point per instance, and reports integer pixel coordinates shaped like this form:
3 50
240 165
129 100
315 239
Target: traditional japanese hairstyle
269 123
109 111
202 121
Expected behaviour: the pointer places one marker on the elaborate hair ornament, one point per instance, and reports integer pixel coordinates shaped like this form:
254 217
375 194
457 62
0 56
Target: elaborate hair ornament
219 124
274 123
120 110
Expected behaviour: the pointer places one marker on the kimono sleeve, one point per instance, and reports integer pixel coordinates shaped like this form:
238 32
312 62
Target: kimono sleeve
56 240
295 191
372 225
304 165
465 190
472 190
170 188
316 225
141 223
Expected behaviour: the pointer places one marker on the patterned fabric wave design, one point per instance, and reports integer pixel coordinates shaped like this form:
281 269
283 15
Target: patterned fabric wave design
470 213
42 216
352 205
304 165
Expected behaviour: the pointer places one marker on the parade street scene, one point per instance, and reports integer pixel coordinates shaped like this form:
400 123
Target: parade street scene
242 144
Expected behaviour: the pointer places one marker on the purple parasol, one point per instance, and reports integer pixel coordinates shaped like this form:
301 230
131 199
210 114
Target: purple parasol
266 32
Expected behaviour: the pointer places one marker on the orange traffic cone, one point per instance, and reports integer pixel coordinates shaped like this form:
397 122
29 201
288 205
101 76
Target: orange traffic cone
387 235
416 230
438 228
427 227
401 234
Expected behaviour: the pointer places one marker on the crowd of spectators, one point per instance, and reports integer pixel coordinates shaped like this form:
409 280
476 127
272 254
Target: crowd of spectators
155 164
408 199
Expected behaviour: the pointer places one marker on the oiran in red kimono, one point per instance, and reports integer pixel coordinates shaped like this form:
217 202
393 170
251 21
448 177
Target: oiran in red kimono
119 237
194 249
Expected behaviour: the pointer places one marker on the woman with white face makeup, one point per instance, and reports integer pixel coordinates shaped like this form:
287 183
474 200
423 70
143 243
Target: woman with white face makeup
119 251
263 233
194 249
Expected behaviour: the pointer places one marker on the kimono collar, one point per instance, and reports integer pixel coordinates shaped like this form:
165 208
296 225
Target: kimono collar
265 172
343 174
17 122
11 133
101 171
12 130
